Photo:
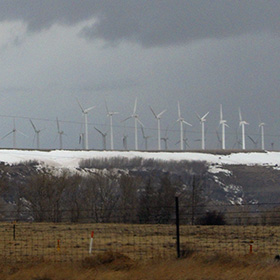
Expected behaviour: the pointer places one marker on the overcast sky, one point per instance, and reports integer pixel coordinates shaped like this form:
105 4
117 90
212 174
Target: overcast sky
201 53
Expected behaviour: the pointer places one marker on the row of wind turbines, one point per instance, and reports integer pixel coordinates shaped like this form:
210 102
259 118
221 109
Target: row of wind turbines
222 123
83 139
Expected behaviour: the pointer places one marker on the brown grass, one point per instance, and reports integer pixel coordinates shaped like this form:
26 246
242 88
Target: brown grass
37 242
218 267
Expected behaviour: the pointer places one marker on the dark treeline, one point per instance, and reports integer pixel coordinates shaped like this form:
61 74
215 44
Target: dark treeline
124 191
104 197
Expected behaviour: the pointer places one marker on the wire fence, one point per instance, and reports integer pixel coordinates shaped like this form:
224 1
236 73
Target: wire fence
240 230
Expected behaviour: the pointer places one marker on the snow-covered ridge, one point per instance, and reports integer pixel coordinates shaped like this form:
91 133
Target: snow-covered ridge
71 159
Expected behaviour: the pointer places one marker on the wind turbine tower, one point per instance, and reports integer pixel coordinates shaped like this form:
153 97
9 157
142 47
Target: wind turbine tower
202 121
103 137
165 139
136 121
145 137
182 121
242 124
158 117
261 126
37 134
85 113
60 133
82 140
223 123
13 131
110 115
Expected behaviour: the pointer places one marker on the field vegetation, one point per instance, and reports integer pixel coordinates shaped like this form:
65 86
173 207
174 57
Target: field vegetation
115 266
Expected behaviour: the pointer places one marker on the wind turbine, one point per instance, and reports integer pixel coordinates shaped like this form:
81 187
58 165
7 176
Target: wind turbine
13 131
103 137
37 134
85 113
158 117
242 124
82 140
255 142
202 121
165 139
136 120
60 133
223 123
110 115
145 137
238 142
182 121
186 140
219 144
124 139
261 126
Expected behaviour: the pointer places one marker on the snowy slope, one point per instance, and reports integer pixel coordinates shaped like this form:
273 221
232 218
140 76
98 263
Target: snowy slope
71 159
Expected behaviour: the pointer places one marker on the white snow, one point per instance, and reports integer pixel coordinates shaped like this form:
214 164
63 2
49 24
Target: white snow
71 159
218 169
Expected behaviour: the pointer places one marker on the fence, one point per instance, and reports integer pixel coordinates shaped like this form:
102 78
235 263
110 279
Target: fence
246 229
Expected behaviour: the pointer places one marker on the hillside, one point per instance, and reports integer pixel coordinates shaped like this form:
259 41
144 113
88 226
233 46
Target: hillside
228 178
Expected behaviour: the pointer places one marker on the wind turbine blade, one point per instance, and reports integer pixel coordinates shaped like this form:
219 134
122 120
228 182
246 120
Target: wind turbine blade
33 125
57 123
106 107
221 112
153 112
14 123
166 131
161 113
22 133
140 122
88 109
179 110
255 142
126 119
80 105
205 115
142 129
99 131
198 116
135 106
218 136
240 116
187 123
7 134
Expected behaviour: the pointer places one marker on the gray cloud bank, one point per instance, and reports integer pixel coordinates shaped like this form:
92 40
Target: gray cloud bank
150 23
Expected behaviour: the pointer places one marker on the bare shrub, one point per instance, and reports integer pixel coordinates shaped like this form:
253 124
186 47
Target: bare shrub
114 260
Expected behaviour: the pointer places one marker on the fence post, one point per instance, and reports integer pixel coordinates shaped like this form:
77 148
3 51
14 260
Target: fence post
177 227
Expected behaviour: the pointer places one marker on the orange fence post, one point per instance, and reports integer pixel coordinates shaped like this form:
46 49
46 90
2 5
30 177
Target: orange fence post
58 245
251 246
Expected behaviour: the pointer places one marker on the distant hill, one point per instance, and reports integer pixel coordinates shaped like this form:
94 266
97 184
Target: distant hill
229 177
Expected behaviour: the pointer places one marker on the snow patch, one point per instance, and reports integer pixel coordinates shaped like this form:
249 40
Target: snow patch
218 169
71 159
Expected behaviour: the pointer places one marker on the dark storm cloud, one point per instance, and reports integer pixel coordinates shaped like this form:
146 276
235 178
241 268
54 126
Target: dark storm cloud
150 23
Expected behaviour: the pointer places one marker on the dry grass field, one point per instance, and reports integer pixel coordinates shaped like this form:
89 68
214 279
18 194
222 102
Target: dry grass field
195 267
39 241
